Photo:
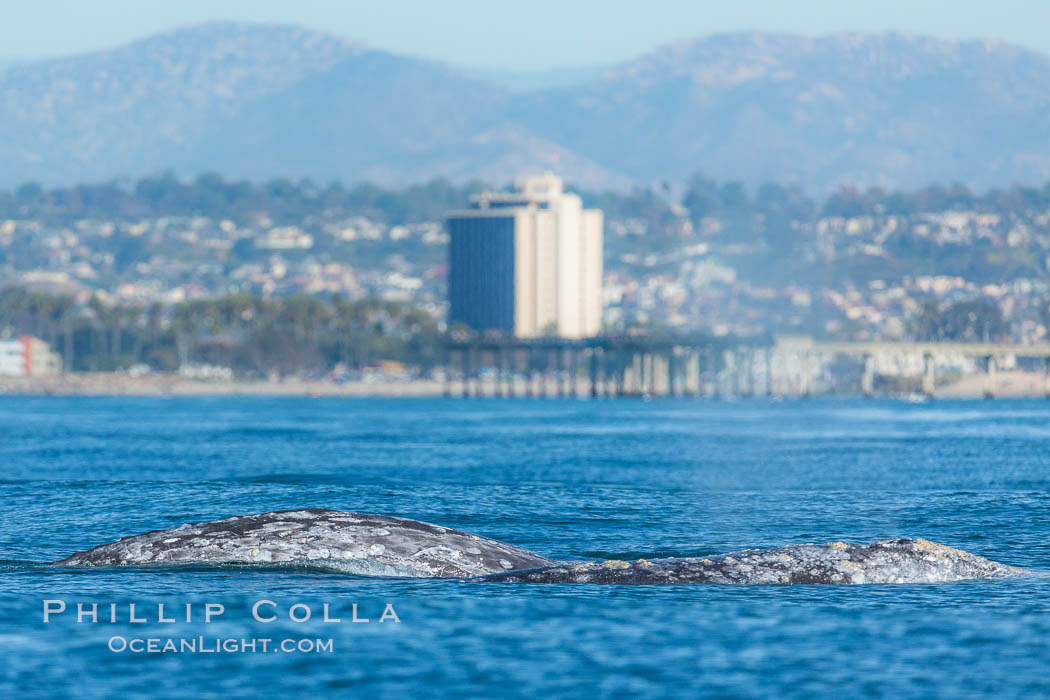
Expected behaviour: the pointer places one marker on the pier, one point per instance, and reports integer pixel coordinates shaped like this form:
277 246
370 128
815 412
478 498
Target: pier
988 355
600 367
699 366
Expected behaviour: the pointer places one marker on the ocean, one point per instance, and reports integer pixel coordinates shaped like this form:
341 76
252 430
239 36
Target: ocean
567 479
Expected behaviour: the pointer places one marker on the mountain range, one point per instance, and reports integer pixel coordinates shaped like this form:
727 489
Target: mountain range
262 101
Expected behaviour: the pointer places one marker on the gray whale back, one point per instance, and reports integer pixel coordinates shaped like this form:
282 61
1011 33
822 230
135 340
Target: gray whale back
351 542
886 561
378 545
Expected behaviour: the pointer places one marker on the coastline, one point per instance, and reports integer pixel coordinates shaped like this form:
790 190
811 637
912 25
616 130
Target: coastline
1007 385
108 384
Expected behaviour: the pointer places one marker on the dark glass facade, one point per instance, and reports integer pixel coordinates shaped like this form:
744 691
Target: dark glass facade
481 272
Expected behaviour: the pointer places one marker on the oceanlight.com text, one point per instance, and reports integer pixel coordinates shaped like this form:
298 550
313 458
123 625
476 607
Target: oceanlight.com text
218 645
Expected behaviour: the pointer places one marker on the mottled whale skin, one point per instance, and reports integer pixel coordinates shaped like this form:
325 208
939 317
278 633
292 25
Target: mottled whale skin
886 561
378 545
351 542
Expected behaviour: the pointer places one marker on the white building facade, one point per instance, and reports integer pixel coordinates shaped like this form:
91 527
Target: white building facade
28 357
527 263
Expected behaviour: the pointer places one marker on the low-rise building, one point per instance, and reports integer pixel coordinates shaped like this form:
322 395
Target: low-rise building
27 356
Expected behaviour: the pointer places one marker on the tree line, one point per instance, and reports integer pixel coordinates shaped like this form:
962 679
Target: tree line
281 199
973 321
253 336
286 200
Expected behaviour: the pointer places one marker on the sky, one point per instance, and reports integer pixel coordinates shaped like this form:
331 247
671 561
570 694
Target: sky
520 36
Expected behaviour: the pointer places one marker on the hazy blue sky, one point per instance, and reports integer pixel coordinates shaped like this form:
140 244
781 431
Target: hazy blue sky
535 34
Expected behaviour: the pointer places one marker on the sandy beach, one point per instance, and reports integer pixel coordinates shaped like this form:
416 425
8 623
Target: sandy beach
1006 384
108 384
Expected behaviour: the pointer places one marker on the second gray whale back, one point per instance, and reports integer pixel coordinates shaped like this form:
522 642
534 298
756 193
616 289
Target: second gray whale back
356 543
886 561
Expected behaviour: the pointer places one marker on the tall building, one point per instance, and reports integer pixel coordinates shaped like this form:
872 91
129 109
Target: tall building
527 263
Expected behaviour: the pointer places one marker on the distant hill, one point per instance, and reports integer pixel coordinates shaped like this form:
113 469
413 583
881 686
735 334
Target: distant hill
149 104
260 101
890 109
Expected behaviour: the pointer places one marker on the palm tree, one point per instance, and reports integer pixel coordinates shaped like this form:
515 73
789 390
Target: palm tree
64 315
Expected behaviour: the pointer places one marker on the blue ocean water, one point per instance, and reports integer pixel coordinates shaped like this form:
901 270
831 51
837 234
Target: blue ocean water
569 479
